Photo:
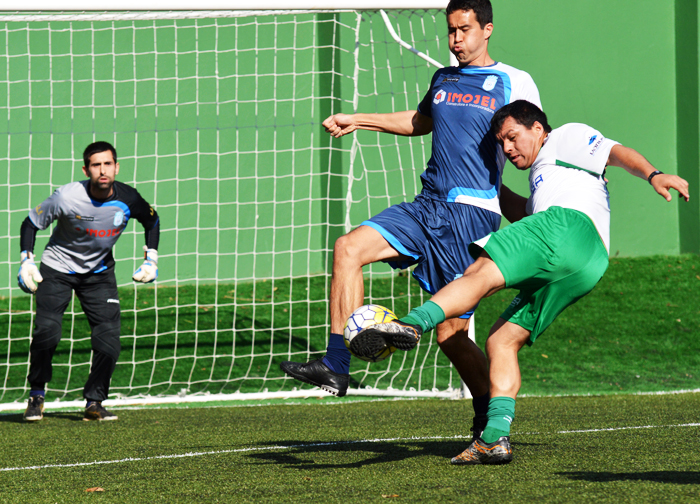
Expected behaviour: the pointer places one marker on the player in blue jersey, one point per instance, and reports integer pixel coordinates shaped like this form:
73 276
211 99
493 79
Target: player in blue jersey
89 217
459 202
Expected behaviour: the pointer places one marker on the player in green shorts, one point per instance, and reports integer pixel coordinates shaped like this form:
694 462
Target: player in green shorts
554 253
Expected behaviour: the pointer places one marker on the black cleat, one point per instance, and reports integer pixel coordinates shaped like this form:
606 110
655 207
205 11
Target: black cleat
316 373
478 425
35 409
95 411
478 452
371 340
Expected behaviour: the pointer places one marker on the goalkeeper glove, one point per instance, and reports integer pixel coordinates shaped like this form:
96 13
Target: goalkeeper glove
148 271
28 276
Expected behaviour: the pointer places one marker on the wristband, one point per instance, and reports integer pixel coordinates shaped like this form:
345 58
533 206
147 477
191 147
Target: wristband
654 174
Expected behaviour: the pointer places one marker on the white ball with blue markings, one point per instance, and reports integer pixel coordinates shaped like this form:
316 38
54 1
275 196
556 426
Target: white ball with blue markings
366 316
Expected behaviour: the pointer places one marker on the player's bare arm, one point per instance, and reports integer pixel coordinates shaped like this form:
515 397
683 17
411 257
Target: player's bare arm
512 204
407 123
636 164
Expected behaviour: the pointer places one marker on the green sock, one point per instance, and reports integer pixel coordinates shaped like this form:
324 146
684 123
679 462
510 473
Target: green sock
500 415
426 316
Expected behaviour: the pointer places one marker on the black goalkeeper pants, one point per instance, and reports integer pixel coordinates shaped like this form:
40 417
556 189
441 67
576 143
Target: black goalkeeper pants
99 298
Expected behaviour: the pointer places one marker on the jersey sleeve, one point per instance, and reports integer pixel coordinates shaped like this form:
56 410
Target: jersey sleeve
47 211
424 107
584 148
524 88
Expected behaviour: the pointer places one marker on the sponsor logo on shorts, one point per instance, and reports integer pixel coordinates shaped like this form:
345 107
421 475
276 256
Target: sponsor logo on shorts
439 97
515 302
118 218
113 301
103 233
490 82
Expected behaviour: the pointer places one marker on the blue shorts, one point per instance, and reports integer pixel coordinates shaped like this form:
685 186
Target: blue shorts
434 235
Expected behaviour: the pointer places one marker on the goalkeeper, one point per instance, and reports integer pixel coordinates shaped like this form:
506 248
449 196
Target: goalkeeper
459 202
554 255
90 216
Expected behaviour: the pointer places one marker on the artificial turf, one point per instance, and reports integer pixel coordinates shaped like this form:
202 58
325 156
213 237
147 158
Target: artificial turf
634 448
638 331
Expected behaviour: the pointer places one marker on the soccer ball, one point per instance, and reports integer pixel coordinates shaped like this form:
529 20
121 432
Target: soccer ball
366 316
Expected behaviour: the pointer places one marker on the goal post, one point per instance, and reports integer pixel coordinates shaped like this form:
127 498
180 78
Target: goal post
216 117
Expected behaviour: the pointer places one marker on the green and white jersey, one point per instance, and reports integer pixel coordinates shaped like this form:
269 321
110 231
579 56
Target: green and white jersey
569 172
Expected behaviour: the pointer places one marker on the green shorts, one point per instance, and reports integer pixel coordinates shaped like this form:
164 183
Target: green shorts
553 257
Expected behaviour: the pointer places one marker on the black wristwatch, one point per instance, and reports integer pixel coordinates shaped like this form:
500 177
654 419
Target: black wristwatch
654 174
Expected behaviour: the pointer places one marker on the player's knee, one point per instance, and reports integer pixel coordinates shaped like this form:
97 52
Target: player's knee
47 333
105 339
346 250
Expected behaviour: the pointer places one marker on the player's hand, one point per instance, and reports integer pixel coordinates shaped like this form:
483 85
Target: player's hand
339 124
28 276
663 182
148 271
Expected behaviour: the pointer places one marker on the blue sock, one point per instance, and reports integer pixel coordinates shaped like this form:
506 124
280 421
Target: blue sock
337 354
32 393
481 404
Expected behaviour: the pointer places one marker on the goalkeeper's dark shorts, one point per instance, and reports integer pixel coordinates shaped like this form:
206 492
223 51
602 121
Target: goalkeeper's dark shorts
434 236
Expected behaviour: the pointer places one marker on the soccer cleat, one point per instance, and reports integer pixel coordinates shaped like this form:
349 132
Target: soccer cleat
35 409
95 411
316 373
373 339
498 452
478 425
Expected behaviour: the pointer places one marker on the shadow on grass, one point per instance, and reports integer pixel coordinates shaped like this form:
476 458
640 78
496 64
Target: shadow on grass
677 477
303 456
19 417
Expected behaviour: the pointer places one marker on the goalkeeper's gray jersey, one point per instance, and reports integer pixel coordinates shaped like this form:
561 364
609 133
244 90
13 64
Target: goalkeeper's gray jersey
87 229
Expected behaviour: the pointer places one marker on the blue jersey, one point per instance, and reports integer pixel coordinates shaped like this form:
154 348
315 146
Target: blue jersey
467 162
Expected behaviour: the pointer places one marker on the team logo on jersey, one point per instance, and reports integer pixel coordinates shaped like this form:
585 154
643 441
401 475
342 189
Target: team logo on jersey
490 82
118 218
439 97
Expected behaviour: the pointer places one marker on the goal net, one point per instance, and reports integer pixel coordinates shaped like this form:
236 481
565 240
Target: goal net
216 117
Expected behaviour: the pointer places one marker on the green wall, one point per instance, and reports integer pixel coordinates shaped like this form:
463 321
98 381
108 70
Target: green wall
217 122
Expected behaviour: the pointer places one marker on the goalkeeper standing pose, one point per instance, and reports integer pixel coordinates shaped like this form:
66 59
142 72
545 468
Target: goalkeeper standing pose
90 216
459 202
554 255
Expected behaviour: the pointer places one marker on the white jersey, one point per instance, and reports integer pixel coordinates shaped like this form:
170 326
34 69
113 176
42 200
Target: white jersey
569 172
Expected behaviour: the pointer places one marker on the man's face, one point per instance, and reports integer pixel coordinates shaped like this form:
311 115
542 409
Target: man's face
467 39
101 171
521 144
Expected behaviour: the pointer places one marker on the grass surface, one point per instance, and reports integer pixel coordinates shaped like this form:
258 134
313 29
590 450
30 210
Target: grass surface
639 330
332 450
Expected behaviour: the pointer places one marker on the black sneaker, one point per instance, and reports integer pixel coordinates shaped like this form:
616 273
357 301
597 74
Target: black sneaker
316 373
35 409
371 340
498 452
478 425
95 411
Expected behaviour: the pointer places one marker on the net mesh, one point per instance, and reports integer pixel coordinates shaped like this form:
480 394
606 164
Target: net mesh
216 120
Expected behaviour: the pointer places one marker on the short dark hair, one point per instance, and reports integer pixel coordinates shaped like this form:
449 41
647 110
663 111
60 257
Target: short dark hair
95 148
523 112
482 9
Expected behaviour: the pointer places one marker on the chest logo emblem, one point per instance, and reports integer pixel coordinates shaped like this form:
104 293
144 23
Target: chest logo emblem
439 97
490 82
118 218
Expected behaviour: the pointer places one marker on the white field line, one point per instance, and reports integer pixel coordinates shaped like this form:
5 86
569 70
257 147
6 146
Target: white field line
310 445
